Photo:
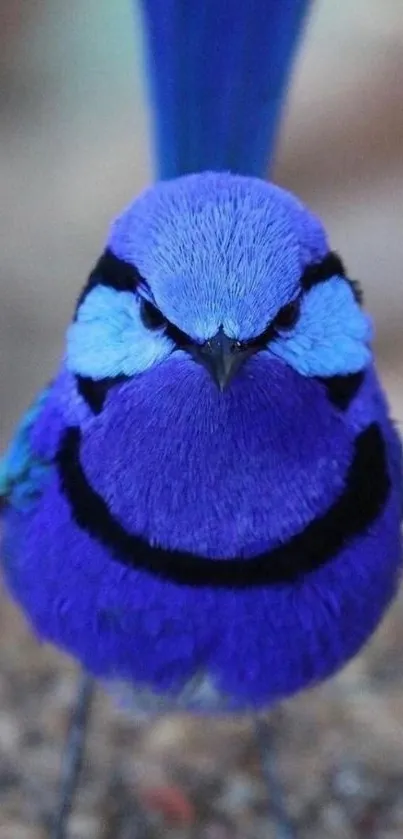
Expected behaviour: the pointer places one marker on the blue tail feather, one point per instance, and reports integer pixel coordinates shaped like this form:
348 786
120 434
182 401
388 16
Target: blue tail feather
219 71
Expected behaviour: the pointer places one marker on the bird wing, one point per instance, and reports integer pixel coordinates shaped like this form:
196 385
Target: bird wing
21 470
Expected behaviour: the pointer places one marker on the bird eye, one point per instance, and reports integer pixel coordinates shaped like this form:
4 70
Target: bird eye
288 315
151 317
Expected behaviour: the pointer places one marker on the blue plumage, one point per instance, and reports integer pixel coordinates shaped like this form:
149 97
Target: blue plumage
257 231
214 483
204 507
332 336
22 472
202 289
220 520
218 75
108 338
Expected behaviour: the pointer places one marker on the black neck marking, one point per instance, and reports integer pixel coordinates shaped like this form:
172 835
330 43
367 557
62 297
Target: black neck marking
95 391
112 272
341 390
365 493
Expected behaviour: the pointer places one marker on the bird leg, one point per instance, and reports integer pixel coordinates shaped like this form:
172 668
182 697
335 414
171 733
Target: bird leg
72 756
278 809
123 817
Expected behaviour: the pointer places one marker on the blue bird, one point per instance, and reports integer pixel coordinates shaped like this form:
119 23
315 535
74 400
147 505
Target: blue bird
210 508
204 505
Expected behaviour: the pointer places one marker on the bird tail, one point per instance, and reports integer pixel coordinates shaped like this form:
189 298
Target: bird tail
218 75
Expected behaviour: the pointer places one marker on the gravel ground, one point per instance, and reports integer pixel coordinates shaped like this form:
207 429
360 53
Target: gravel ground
339 754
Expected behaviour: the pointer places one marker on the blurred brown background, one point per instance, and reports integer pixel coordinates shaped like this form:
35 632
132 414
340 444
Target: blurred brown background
74 149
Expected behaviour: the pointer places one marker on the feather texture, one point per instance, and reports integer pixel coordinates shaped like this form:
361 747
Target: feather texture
214 550
218 72
23 472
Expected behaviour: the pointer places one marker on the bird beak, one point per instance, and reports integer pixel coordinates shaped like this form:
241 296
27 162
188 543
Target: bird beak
222 356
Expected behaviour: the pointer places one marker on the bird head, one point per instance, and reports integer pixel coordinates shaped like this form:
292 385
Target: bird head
220 268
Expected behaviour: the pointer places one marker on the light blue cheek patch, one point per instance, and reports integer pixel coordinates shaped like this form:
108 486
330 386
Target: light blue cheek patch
332 336
108 338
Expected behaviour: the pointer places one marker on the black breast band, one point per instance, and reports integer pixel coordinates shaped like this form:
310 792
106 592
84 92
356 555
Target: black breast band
364 495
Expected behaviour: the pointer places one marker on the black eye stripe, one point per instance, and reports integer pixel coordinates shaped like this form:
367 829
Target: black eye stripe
115 273
112 272
319 272
122 276
181 339
330 266
357 291
288 315
151 317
